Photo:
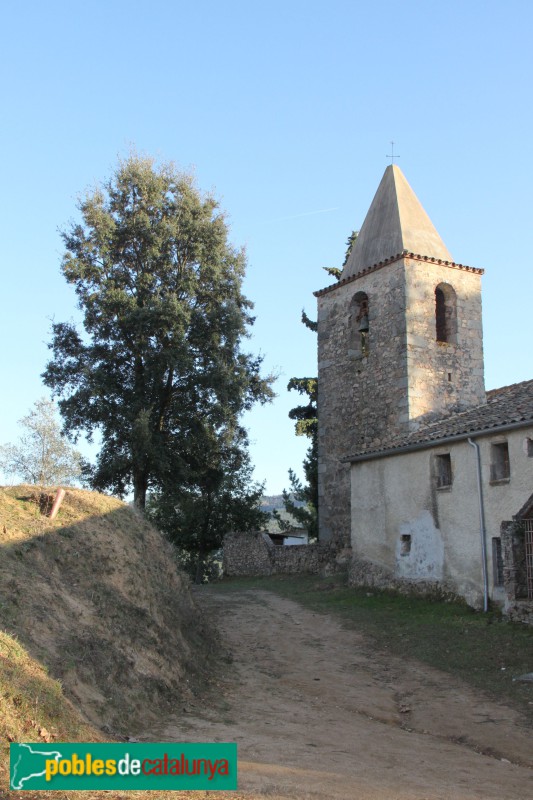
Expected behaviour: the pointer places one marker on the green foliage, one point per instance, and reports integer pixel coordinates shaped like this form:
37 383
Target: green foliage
309 323
305 515
206 570
220 498
306 424
159 370
42 456
305 416
349 244
335 272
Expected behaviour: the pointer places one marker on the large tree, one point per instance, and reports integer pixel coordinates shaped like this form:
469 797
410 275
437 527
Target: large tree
160 359
42 455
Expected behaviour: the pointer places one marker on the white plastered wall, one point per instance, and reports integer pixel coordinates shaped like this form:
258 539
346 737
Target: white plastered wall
397 497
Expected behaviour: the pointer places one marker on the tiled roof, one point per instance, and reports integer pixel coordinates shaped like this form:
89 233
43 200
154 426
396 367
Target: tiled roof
508 407
391 260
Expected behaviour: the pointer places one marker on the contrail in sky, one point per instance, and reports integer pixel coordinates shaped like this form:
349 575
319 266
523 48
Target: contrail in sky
305 214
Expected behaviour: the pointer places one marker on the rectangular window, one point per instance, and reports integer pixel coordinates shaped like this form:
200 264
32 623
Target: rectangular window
497 561
405 544
443 470
500 467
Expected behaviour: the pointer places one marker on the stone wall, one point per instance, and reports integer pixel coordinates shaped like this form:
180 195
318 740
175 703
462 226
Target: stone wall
443 376
355 402
520 611
247 554
255 554
514 560
517 608
517 605
367 574
400 378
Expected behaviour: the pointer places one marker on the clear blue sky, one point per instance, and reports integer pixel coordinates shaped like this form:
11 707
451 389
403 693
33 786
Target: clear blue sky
286 110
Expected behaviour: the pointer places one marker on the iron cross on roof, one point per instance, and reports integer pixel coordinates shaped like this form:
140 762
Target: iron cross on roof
392 156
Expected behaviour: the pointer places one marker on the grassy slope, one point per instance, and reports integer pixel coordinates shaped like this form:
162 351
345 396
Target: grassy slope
33 707
95 595
94 600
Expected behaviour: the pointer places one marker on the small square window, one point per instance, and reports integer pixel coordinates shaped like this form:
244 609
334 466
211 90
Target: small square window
405 544
443 471
500 467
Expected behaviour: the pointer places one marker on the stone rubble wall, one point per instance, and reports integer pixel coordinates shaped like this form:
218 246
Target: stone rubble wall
254 553
521 611
514 561
517 607
363 573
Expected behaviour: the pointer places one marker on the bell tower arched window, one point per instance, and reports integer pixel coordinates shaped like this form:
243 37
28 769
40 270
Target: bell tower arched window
446 313
360 323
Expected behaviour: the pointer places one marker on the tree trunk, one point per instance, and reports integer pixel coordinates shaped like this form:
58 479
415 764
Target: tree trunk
198 578
140 487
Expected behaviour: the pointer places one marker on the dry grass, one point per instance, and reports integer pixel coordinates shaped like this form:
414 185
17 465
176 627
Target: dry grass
32 705
33 708
95 596
99 636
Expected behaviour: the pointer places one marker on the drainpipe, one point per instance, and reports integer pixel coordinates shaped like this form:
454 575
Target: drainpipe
482 528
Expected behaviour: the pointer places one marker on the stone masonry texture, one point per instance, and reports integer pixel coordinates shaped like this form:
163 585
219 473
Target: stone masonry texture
403 379
254 553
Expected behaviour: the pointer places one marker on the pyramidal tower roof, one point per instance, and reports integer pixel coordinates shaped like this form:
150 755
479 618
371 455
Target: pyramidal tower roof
395 222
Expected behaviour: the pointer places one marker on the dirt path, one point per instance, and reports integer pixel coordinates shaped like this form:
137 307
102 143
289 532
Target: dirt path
317 714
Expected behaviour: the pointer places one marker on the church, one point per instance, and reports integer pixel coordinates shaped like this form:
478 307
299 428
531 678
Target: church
425 475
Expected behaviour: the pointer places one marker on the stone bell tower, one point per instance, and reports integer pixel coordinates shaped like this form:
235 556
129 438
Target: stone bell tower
399 342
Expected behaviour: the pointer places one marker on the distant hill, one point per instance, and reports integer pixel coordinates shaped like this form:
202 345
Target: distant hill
272 502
